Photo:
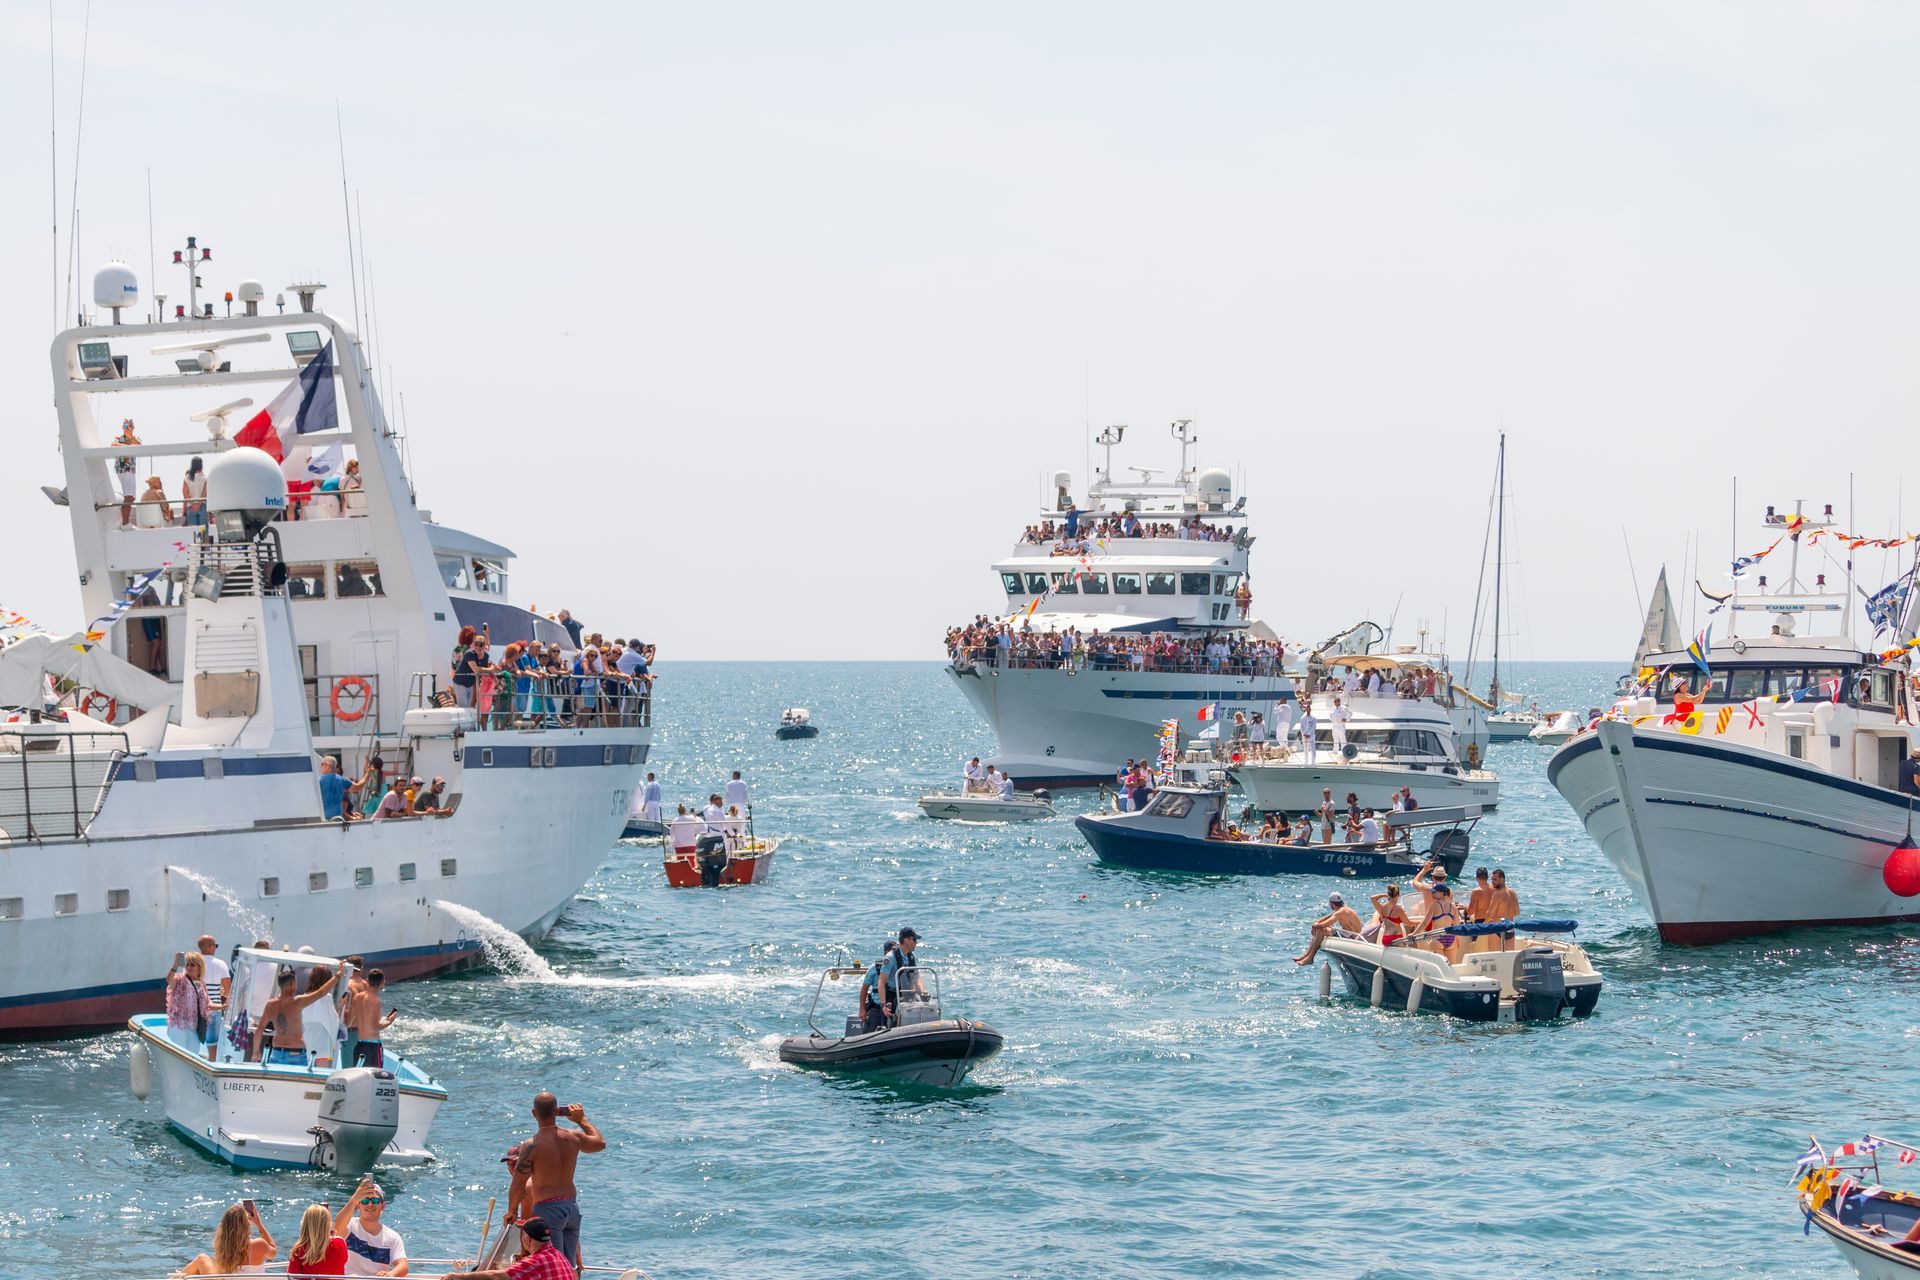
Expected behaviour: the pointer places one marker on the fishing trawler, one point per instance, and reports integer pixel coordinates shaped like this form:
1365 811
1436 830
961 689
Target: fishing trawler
1752 783
285 620
1116 616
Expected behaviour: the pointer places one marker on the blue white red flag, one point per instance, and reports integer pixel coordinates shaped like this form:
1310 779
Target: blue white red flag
307 404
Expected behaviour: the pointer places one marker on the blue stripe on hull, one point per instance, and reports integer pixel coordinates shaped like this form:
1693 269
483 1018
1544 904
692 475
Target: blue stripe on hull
1163 851
233 1158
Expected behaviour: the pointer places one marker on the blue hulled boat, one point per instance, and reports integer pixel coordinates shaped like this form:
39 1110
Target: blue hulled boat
1181 829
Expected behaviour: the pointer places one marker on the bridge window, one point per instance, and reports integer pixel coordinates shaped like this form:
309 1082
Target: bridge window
1094 584
453 572
1161 584
306 582
1011 581
1195 584
489 576
1064 585
1746 683
1036 583
1225 584
357 579
1126 584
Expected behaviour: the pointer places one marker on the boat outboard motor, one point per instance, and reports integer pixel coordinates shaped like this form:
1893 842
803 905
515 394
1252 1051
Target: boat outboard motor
359 1114
1043 795
1540 983
710 853
1449 849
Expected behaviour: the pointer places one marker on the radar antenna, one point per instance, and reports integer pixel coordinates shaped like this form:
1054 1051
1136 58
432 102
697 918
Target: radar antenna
216 419
204 351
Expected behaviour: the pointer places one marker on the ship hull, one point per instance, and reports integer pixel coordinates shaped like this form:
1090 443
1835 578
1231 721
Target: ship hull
1719 841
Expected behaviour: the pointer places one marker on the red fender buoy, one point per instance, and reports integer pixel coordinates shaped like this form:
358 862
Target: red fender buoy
1901 871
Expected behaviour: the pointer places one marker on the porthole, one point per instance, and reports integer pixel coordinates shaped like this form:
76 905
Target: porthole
270 886
66 904
449 866
316 882
12 908
119 899
407 873
363 877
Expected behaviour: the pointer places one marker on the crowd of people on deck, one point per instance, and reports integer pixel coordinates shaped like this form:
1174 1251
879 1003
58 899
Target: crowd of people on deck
1331 822
1003 644
586 683
977 779
542 1202
1491 901
199 992
1076 532
147 504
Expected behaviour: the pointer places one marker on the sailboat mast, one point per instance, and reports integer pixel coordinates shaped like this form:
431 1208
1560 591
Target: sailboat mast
1499 557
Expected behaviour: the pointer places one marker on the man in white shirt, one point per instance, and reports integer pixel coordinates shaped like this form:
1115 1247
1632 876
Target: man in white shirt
218 981
373 1249
682 831
650 800
1282 722
1350 683
736 793
974 775
1339 716
1369 828
1372 684
1309 732
714 814
1006 786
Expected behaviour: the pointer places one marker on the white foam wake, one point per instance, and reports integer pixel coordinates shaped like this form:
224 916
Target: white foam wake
251 922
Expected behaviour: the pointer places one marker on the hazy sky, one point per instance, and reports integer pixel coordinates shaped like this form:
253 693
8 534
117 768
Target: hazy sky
754 328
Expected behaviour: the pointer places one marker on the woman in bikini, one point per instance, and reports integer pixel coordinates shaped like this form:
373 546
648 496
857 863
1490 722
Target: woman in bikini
1392 917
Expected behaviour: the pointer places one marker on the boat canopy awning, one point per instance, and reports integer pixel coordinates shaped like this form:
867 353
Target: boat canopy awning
25 666
1102 622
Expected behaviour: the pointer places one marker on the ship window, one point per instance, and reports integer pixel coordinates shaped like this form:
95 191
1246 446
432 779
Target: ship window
1880 688
66 904
1797 744
119 899
306 582
1094 584
453 572
165 591
1225 584
12 908
1160 584
633 754
407 873
1126 584
316 882
486 757
1194 584
1036 583
489 576
449 867
1744 683
363 877
1064 584
1011 581
606 754
270 886
357 578
1171 804
550 756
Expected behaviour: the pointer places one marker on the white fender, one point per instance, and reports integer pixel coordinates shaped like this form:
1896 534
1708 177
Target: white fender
1415 990
1326 980
139 1070
1379 985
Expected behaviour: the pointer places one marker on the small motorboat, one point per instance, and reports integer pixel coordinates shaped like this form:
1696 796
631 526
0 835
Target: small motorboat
703 855
986 806
1558 727
1185 828
921 1047
643 829
796 722
260 1115
1841 1193
1520 977
1512 726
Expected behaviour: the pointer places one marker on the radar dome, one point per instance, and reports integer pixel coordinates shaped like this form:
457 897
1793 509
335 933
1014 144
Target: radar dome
246 480
1062 479
1215 486
250 291
115 285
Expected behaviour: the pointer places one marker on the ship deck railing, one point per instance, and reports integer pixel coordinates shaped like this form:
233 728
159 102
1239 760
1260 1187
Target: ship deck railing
53 782
992 657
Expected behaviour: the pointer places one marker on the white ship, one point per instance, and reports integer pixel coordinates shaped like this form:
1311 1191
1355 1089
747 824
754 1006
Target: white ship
1170 592
1769 796
277 641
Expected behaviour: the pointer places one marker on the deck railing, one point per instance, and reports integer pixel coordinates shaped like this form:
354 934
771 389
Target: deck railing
52 782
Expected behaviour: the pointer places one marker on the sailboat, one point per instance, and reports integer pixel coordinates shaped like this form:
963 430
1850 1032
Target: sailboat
1502 726
1658 634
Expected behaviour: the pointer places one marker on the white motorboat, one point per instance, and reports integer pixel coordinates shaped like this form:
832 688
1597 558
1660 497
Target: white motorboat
920 1046
988 806
1512 726
1558 727
1518 973
1389 743
1843 1192
796 723
1766 794
316 1113
272 642
1071 717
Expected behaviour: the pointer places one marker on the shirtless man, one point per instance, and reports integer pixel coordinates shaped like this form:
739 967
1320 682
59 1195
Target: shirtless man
282 1015
543 1173
1341 916
1502 902
363 1016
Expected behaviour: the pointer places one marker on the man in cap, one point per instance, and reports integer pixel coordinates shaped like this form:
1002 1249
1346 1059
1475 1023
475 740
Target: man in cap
539 1259
373 1249
433 799
1910 773
895 976
1339 916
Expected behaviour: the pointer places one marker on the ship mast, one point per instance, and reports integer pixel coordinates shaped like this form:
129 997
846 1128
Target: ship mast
1499 556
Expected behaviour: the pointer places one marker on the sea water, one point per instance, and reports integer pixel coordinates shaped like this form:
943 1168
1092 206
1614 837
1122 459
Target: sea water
1174 1099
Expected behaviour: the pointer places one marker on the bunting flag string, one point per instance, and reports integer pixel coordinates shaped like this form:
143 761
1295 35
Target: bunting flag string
102 626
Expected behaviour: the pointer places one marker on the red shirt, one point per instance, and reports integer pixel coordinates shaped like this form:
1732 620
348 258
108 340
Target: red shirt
548 1263
333 1264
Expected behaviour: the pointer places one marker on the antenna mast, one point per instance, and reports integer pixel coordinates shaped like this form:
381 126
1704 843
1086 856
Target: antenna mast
1183 432
346 206
1499 557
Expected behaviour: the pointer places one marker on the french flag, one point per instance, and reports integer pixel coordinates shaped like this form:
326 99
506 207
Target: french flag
1210 712
306 405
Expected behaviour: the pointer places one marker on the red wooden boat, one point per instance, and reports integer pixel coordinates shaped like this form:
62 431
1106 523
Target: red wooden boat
748 862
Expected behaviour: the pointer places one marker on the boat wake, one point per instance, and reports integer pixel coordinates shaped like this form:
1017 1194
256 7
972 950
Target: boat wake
251 922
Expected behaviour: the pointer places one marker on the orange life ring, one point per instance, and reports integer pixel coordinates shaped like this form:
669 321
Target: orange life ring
113 707
350 682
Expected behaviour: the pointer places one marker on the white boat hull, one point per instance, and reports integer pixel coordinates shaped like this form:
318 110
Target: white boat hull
95 966
1294 786
257 1116
1719 840
1059 727
984 808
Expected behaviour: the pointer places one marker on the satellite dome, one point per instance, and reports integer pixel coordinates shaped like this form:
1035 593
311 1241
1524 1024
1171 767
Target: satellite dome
115 285
246 480
1061 479
1214 485
250 291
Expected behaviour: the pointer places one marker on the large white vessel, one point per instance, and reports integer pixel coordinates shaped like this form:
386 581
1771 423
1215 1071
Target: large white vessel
278 641
1119 615
1766 794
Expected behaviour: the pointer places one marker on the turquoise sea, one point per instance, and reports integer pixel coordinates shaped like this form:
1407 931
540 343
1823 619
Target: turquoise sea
1174 1101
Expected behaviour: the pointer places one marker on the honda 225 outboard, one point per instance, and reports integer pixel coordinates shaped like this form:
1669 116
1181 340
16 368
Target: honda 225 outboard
359 1114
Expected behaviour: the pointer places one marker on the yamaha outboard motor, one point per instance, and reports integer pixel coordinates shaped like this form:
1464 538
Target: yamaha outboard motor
1449 849
710 852
359 1114
1043 795
1540 983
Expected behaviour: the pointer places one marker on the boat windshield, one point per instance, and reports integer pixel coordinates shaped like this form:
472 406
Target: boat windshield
1170 804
